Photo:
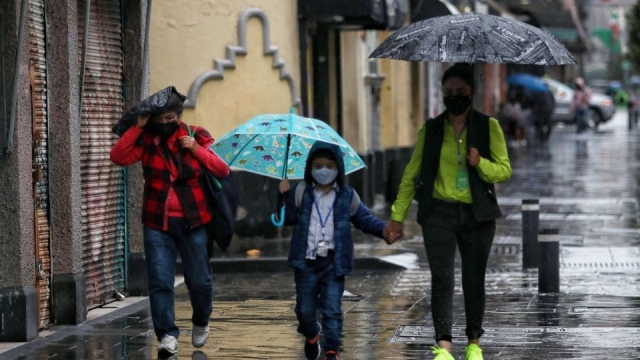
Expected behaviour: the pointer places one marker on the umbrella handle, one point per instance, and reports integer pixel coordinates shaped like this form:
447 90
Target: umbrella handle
278 223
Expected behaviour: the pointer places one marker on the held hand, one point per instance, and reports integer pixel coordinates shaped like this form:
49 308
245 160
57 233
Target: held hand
142 120
395 227
390 237
284 186
392 232
473 157
187 142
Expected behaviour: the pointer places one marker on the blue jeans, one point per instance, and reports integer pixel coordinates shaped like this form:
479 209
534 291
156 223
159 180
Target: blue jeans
581 120
161 250
317 286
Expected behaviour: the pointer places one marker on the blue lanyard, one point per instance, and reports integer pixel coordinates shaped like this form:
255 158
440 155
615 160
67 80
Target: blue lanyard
323 224
458 142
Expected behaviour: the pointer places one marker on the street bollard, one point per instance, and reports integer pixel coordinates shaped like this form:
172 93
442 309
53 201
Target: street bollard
549 269
530 220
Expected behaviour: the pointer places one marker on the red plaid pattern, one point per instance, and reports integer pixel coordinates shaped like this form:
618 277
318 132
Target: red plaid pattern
187 186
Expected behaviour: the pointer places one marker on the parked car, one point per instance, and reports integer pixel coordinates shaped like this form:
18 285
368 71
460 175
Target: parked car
601 106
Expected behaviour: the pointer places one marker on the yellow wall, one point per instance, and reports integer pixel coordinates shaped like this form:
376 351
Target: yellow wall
354 110
397 125
187 36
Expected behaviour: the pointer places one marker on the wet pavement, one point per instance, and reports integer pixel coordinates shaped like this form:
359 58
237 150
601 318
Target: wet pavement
588 189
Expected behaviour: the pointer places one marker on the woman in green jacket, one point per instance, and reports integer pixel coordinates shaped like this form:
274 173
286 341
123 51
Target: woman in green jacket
457 158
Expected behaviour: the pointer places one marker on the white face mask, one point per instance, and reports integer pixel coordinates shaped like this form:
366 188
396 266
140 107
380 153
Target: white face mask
324 176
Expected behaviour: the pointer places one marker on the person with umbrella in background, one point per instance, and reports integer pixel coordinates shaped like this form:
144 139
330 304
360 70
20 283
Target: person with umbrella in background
322 208
536 98
174 210
457 158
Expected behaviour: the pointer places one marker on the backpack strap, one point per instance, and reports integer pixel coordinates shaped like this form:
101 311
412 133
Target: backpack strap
299 192
355 203
302 185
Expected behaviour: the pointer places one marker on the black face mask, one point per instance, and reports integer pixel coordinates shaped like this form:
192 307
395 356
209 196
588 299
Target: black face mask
162 129
457 104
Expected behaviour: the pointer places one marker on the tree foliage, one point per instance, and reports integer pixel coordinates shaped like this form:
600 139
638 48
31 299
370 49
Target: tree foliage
633 22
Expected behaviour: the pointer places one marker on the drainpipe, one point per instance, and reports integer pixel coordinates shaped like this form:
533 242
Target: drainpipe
145 53
85 41
16 76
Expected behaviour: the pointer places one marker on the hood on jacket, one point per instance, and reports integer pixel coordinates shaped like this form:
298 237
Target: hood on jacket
337 153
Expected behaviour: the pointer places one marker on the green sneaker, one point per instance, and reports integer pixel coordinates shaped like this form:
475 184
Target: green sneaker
473 352
442 354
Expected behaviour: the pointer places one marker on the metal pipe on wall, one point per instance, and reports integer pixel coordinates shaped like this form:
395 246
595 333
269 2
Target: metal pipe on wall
145 53
85 41
16 76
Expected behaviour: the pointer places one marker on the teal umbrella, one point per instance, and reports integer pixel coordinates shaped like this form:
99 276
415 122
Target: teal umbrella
277 145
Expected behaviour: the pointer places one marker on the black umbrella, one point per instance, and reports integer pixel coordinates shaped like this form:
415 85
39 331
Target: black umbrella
474 38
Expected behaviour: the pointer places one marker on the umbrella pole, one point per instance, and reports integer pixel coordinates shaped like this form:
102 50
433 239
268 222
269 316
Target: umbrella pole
279 221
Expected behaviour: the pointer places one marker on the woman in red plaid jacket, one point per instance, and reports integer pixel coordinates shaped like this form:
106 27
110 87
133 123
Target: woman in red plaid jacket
173 214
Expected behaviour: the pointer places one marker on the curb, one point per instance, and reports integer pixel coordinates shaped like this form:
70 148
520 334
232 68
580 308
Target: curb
279 264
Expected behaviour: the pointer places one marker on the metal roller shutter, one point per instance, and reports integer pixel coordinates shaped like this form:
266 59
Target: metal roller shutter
38 80
103 197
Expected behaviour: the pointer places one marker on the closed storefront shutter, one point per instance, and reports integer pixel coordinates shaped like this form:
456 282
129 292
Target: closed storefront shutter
103 193
38 80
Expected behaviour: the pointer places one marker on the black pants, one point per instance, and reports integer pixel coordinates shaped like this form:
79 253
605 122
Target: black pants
450 225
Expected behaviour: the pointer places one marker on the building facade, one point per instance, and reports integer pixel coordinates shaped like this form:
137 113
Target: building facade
64 242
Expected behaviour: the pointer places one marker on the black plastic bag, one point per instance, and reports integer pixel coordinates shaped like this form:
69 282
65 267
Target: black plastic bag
153 105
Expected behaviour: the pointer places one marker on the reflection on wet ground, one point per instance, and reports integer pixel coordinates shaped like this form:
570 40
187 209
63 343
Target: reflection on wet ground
587 188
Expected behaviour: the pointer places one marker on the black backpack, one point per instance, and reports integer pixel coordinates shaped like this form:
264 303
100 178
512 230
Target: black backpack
223 197
222 194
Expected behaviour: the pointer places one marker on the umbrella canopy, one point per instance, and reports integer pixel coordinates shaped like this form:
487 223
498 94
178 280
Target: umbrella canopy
528 81
277 145
474 38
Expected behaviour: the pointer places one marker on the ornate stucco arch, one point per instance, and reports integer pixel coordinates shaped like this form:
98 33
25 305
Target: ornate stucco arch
219 65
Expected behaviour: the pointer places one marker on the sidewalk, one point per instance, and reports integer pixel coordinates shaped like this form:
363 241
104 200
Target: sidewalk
587 188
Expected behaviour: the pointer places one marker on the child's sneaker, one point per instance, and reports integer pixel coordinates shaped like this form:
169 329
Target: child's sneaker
330 355
312 348
441 353
473 352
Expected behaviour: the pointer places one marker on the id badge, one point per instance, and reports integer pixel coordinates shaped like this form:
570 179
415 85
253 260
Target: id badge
462 179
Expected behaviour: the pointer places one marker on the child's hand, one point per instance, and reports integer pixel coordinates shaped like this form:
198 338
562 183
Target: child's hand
284 186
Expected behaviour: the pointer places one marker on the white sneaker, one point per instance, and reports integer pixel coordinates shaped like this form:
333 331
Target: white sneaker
199 335
168 346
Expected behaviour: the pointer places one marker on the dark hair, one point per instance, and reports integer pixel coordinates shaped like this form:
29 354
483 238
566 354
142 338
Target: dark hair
462 71
323 153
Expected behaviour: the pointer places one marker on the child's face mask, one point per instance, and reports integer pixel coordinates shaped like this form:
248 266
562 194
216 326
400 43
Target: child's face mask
324 176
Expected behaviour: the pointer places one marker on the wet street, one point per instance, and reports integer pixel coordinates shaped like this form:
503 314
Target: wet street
588 188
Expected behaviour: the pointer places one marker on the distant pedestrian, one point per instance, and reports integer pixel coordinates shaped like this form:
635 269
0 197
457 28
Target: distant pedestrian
322 207
544 104
174 212
457 158
517 115
580 104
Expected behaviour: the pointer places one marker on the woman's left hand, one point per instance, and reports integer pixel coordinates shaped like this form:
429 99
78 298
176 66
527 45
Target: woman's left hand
187 142
473 157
